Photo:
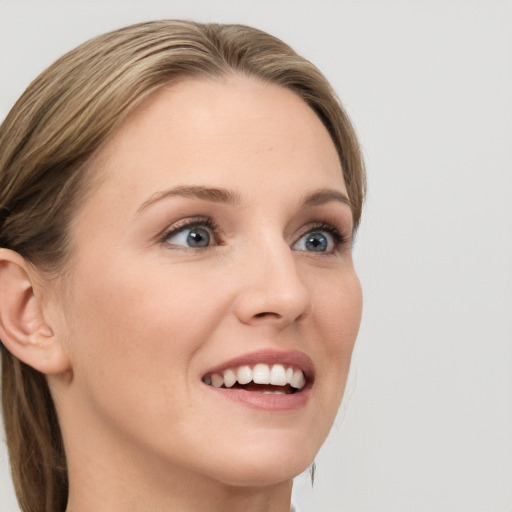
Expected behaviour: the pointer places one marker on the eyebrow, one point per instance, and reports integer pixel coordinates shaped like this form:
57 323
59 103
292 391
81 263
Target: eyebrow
215 195
222 195
326 195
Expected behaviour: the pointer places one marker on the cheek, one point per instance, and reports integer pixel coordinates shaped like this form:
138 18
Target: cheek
338 308
133 341
143 325
337 315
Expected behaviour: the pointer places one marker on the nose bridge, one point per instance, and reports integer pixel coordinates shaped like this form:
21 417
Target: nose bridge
271 287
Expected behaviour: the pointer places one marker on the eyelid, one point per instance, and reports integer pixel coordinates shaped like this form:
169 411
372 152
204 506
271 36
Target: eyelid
340 239
190 223
338 235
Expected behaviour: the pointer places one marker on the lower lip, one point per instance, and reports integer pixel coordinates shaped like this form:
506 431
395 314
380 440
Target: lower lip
266 402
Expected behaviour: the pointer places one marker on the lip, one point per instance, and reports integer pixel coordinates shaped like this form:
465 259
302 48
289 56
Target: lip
291 358
262 401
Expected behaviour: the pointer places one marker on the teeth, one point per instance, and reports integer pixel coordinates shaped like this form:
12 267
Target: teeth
229 378
278 375
217 380
261 373
298 380
244 375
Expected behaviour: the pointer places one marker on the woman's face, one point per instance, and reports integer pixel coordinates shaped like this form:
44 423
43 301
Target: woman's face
216 247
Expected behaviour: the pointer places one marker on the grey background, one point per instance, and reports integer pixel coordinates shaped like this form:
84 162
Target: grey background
426 424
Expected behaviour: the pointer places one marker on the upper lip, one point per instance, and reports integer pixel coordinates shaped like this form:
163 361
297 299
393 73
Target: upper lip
293 358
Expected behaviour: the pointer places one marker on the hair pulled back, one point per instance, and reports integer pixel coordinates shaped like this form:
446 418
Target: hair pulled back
46 142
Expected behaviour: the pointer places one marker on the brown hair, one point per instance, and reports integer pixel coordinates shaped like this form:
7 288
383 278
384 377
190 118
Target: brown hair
45 143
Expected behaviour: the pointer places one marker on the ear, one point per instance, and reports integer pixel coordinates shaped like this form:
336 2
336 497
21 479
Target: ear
23 329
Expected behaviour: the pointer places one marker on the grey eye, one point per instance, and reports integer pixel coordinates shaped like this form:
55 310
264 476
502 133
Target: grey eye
315 241
191 237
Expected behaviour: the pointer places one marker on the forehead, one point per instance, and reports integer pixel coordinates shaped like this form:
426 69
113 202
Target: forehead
234 131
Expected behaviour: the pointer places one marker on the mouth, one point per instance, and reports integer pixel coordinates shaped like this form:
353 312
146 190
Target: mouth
276 379
265 380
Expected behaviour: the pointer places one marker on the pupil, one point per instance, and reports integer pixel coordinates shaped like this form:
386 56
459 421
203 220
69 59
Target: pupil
198 238
316 242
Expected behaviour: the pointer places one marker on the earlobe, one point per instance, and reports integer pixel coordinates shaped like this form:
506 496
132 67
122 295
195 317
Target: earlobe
23 328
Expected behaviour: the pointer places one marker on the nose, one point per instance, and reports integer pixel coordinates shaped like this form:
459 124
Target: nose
271 290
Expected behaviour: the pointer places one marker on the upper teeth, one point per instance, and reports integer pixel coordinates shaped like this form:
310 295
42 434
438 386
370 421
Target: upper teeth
261 373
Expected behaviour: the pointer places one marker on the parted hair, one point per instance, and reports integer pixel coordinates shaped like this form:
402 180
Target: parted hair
46 142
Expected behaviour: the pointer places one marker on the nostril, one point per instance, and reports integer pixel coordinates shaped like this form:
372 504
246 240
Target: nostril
265 313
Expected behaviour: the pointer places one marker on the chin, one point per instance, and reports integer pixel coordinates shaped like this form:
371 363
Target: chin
266 462
263 475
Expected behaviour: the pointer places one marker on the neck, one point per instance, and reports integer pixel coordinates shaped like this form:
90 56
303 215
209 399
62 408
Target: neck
184 493
111 478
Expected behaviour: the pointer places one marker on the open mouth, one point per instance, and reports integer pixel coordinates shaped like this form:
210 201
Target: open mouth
277 379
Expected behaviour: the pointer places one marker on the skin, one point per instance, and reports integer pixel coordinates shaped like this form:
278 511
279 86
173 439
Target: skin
141 318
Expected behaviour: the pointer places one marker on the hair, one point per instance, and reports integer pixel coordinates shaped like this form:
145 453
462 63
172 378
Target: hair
46 141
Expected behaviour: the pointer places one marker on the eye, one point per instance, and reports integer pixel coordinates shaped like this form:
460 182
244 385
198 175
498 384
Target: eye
324 239
194 235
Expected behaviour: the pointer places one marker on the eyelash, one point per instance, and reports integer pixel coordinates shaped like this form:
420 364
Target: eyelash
183 225
339 238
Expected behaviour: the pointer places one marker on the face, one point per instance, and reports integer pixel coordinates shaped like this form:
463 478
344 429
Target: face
212 303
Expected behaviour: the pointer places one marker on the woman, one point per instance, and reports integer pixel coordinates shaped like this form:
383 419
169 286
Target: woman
178 301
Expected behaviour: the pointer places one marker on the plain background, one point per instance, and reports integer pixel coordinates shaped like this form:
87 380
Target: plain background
428 85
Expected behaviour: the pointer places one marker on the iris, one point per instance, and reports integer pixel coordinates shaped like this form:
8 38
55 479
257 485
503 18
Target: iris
316 242
198 237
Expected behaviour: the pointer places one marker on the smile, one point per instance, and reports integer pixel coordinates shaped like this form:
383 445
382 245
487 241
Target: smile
260 378
270 380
